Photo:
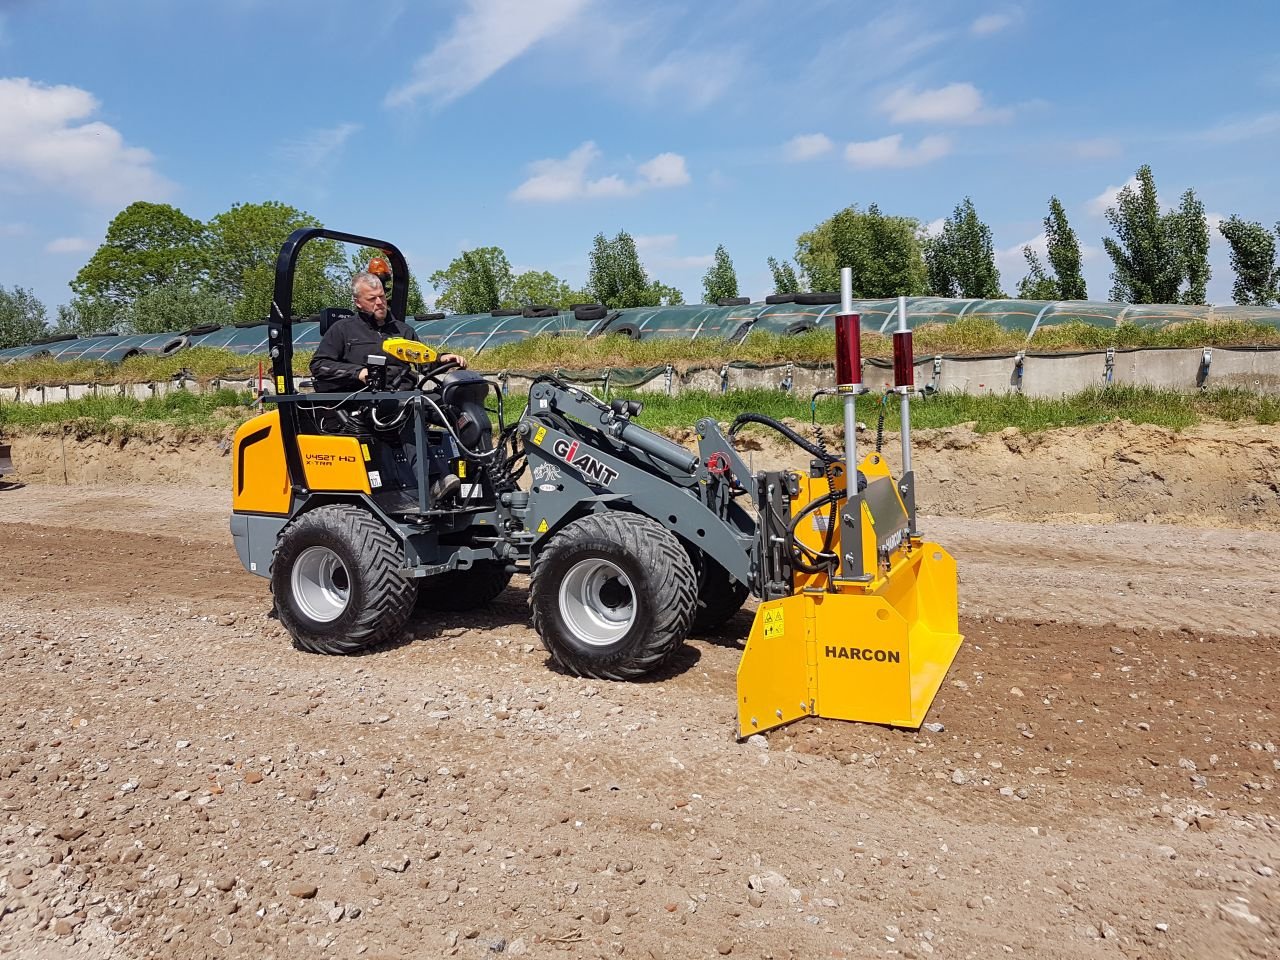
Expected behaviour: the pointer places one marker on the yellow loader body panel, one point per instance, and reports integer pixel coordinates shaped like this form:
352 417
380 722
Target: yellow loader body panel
874 651
259 475
334 463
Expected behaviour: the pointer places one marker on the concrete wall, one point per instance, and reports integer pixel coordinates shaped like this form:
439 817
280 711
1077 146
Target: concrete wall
1036 376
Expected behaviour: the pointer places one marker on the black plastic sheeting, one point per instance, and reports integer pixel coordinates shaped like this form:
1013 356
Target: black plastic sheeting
479 332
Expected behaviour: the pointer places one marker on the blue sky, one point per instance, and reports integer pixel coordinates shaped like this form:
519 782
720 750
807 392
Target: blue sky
534 125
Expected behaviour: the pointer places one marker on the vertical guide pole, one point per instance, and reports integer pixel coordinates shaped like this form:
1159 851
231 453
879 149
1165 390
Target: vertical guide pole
905 383
851 567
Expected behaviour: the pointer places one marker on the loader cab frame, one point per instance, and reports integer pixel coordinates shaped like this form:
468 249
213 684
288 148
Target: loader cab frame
280 332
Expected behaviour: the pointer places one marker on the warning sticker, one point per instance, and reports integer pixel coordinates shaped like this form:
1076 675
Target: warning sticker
540 435
542 527
775 624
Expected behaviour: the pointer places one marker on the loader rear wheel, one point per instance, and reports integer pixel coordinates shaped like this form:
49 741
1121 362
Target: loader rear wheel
719 595
461 590
613 596
337 583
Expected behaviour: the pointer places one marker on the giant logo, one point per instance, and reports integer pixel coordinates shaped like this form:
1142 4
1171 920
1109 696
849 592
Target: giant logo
570 452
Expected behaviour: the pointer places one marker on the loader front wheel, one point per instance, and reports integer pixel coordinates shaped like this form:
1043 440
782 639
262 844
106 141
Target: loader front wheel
337 583
613 596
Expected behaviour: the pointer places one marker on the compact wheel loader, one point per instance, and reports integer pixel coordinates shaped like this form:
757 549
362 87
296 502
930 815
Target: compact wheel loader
631 541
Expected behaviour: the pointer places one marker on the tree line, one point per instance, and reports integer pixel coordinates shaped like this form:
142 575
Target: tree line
158 269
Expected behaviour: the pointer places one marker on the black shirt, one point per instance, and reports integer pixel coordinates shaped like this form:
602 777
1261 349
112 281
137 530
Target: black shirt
345 349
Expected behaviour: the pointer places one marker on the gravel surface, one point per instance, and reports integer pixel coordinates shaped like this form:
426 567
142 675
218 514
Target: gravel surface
1098 776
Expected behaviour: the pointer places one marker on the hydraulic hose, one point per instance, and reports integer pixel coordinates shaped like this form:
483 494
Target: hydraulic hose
744 418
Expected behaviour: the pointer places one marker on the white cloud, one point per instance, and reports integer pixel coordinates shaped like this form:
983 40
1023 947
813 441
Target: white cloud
1238 131
555 180
889 152
1011 259
934 227
316 149
68 245
695 79
806 146
664 170
1107 198
654 242
487 36
954 103
990 23
47 139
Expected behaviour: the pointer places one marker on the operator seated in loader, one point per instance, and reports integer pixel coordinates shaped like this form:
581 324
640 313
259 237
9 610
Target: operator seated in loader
341 365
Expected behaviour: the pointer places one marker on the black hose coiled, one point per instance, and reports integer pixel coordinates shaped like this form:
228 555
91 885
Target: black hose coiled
744 418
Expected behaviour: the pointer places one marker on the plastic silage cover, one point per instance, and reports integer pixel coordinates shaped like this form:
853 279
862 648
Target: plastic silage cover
481 331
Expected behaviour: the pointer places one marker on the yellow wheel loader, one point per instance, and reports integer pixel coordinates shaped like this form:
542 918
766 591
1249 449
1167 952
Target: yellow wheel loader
369 508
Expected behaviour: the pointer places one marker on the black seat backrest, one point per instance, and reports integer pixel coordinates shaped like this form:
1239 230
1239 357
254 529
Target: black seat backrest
331 315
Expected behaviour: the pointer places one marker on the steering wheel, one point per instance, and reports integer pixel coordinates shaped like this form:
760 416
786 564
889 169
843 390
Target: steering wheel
436 372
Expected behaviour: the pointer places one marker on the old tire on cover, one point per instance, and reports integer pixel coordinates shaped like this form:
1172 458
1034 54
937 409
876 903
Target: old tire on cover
613 596
720 596
460 590
336 581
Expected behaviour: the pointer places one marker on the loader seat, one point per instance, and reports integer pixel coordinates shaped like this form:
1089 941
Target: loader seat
331 315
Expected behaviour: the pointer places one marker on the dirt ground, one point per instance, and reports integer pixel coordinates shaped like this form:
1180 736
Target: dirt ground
177 781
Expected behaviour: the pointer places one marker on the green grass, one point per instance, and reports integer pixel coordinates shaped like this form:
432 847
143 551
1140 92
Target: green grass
967 336
213 414
989 413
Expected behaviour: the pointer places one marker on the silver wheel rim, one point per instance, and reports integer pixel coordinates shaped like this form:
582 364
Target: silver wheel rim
321 584
597 602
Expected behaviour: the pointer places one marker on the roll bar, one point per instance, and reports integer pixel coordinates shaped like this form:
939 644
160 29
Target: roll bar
280 323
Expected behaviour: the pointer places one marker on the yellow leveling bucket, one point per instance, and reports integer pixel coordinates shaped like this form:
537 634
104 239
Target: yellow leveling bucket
874 652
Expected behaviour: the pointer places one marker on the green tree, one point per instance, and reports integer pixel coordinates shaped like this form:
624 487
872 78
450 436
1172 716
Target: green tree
784 276
1037 284
1253 258
542 288
243 244
1064 254
360 261
962 261
721 280
148 245
617 279
83 316
173 308
1155 253
882 251
658 294
1193 236
22 317
476 281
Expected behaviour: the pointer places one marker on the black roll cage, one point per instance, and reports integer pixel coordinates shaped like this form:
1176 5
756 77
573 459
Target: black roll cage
280 332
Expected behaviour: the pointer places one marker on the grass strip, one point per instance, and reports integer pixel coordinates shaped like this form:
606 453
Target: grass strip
214 413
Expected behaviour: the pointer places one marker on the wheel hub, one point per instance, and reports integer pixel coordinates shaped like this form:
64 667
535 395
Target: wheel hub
597 602
321 584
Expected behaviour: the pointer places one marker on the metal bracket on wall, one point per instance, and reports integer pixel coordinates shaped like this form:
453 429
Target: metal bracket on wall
788 380
669 378
1019 369
1202 374
1110 373
936 382
724 378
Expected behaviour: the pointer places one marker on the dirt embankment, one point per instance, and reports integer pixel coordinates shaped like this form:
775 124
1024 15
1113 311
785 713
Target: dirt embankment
1217 475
